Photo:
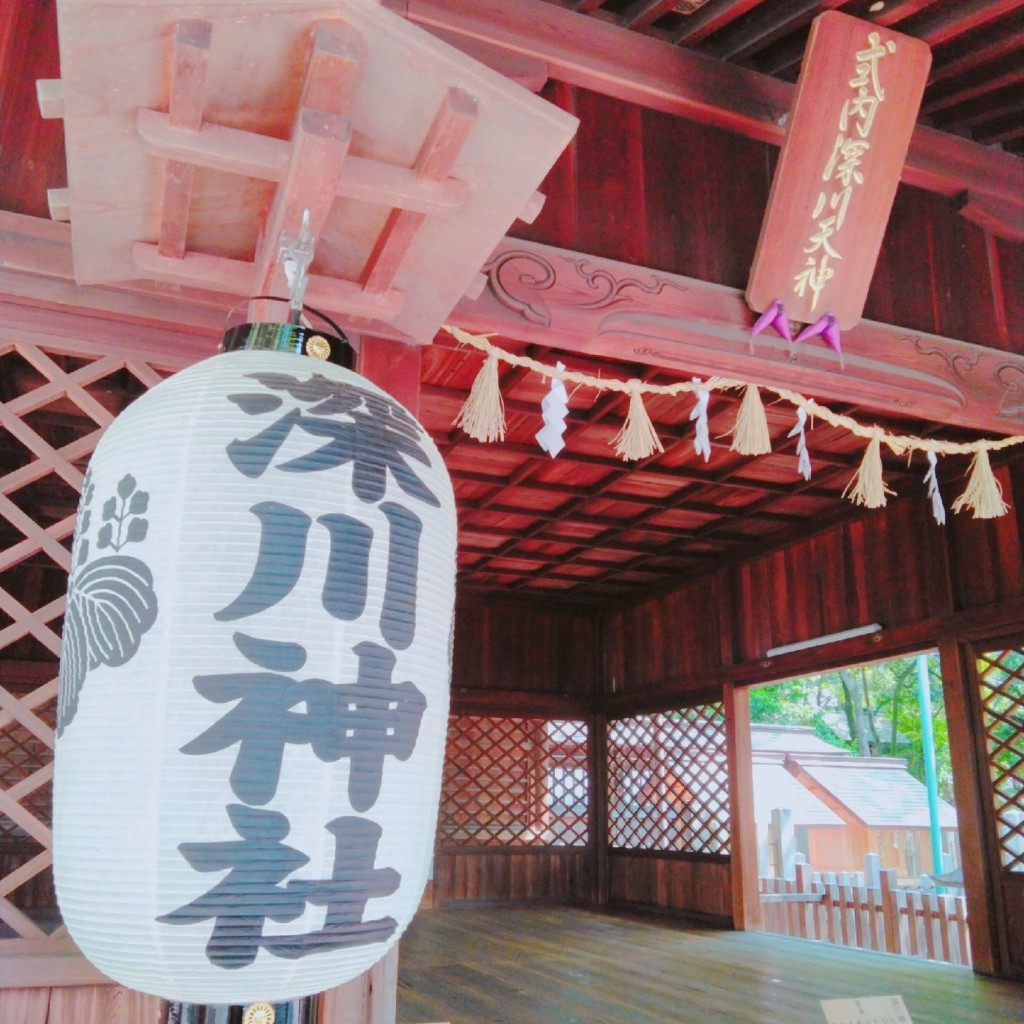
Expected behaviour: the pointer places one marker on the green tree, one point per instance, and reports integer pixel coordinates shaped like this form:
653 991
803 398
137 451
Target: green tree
871 710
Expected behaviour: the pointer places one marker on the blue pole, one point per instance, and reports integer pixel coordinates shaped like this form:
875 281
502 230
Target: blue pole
924 700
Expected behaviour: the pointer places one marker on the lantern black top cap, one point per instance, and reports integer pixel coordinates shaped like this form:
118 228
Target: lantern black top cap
329 345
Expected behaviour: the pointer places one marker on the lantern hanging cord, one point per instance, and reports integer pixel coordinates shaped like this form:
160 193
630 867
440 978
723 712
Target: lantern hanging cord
897 443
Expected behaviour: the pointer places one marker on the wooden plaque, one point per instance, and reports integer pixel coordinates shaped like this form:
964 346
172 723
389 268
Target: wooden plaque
856 102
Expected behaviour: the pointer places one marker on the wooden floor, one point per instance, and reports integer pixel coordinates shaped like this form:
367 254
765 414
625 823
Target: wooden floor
525 965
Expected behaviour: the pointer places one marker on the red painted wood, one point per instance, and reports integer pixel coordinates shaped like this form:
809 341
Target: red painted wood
605 308
700 222
394 367
610 198
521 875
28 50
890 568
617 62
684 886
526 647
556 223
851 122
188 97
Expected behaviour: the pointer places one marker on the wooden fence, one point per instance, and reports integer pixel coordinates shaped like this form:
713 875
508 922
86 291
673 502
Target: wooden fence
853 909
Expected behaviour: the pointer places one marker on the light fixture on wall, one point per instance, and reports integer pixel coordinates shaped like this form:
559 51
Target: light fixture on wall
820 641
254 683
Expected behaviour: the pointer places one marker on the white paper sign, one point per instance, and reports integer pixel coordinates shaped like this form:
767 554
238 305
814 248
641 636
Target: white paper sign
871 1010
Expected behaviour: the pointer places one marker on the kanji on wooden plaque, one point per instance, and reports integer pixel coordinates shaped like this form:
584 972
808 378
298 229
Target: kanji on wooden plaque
856 102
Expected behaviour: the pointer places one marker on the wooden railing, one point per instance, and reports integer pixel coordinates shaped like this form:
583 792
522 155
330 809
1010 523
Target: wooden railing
852 909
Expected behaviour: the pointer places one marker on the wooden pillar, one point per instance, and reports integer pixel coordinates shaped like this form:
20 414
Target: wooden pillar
393 366
598 769
746 903
971 787
372 998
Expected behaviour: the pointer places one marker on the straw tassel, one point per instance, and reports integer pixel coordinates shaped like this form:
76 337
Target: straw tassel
983 495
637 439
750 433
483 414
867 488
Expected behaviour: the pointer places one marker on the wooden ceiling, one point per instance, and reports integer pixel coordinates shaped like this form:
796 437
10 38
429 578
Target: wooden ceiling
976 86
586 526
589 527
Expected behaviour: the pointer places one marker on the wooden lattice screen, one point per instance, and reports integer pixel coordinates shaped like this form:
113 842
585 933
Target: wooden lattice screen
56 397
515 782
668 781
1001 683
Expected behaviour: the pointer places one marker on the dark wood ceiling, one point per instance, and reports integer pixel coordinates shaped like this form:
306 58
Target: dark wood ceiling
976 85
587 526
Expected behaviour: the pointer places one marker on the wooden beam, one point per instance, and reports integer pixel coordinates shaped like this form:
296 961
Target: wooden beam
259 156
1003 219
188 98
37 964
448 133
608 59
332 69
972 791
665 320
319 145
545 295
50 97
234 277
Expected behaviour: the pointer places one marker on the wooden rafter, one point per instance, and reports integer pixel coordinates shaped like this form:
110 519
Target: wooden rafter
604 57
337 112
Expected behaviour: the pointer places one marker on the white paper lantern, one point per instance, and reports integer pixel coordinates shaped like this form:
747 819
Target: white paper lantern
254 684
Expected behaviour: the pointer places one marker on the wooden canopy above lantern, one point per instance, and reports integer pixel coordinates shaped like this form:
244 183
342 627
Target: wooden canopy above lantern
198 134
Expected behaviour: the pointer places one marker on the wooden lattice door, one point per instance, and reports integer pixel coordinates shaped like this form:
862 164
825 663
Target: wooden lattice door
999 678
56 398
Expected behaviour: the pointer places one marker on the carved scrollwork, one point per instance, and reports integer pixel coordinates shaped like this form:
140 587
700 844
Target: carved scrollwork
958 362
539 278
518 277
1010 377
612 288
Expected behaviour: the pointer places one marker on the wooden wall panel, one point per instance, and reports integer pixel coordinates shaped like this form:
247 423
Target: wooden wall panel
891 567
103 1004
24 1005
28 51
556 222
671 637
645 187
700 222
1008 268
506 645
987 557
490 875
964 297
609 193
683 886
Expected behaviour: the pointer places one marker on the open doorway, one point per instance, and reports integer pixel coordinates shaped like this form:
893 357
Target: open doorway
854 811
